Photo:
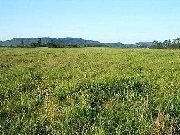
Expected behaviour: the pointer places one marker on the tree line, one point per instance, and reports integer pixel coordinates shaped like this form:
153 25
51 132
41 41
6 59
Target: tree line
50 44
166 44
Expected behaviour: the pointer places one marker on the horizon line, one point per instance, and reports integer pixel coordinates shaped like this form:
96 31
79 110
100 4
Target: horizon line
69 37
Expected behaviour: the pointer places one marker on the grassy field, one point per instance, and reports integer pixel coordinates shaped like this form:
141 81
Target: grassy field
89 91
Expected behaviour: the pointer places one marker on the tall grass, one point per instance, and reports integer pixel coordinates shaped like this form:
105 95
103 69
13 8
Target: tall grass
89 91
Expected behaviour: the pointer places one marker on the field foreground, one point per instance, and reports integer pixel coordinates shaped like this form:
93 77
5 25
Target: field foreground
89 91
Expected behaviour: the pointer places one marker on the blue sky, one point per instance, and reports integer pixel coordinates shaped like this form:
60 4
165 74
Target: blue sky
126 21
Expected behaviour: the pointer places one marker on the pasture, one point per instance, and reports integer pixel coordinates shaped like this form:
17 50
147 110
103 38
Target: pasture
89 91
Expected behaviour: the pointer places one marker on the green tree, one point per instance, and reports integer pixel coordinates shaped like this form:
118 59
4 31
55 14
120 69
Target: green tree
39 43
169 44
165 43
178 42
51 44
34 45
157 45
22 43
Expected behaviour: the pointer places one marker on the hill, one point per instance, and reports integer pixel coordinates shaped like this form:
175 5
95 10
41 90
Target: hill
45 40
69 40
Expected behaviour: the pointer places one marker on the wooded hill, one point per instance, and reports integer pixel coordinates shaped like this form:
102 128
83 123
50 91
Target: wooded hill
71 42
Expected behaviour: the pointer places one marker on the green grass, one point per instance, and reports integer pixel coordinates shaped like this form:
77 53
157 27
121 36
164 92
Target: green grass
89 91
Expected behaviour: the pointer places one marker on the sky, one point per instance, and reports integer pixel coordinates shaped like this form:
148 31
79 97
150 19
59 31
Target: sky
126 21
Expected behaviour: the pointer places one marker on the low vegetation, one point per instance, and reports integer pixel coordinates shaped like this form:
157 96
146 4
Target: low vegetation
89 91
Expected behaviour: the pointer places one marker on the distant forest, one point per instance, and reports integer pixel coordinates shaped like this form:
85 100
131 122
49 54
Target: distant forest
47 42
167 44
66 42
79 42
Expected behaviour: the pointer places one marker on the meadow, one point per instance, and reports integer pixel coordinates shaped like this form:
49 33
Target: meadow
97 91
